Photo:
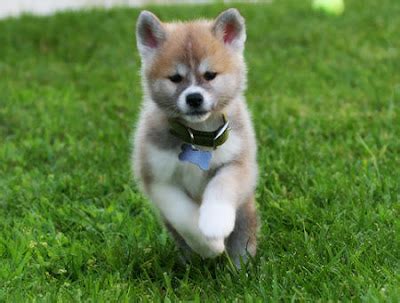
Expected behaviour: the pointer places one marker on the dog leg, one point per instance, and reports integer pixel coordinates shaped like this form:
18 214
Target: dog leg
242 242
186 251
182 213
223 195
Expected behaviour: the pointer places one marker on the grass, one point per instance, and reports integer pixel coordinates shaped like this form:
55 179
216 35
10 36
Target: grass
325 94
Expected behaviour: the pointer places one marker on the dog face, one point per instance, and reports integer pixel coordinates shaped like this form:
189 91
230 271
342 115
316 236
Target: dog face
193 69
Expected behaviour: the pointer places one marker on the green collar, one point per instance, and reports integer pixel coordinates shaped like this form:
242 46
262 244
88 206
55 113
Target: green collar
196 137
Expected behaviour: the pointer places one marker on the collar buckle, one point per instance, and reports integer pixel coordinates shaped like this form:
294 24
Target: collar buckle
191 135
219 132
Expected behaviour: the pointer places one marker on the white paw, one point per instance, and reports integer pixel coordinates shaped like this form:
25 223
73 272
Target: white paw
217 245
217 220
215 248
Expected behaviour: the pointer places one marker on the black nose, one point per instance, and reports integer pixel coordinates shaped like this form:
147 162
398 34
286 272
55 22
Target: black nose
194 100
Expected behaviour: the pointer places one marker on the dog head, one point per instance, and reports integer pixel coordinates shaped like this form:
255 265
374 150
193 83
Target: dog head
192 69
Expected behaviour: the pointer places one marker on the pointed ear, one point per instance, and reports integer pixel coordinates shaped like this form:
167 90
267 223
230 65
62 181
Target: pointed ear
230 28
150 33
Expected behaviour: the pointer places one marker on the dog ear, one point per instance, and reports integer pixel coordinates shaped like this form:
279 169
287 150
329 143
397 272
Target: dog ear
230 28
150 33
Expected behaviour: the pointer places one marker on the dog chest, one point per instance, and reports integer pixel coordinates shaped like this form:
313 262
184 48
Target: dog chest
166 167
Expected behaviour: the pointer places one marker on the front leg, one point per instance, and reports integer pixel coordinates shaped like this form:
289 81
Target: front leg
222 197
182 213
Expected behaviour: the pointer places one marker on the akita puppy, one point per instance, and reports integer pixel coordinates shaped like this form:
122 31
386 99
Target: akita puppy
194 146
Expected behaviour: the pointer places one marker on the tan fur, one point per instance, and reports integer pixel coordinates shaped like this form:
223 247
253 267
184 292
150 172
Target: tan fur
191 42
208 196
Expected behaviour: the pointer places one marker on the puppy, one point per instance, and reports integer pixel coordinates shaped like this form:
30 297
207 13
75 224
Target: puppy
194 145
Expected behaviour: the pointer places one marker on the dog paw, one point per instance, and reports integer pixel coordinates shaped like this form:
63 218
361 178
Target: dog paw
216 247
217 220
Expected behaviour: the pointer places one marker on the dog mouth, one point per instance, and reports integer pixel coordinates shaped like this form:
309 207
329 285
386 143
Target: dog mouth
198 113
197 116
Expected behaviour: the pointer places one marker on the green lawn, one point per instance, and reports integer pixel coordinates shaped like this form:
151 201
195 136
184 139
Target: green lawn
325 96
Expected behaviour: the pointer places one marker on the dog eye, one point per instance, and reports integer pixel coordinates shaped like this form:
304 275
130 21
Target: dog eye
176 78
209 76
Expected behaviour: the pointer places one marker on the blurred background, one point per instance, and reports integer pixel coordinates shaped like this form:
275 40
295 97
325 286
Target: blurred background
46 7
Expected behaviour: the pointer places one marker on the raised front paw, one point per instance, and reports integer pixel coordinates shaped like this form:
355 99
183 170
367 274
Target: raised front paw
217 220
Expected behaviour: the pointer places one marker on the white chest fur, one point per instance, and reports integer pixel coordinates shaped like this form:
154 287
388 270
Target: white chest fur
167 168
178 188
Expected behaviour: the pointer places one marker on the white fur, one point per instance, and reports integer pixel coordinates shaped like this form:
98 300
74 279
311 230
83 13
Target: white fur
162 162
222 81
182 69
203 66
197 118
164 86
217 220
169 169
203 228
168 193
228 151
183 214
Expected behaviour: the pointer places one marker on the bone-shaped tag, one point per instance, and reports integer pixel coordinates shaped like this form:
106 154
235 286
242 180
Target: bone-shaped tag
198 157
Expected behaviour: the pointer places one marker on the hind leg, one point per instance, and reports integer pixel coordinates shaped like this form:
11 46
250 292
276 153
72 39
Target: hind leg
186 252
242 242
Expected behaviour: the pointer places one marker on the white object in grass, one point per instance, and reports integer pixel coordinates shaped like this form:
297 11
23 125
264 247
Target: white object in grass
333 7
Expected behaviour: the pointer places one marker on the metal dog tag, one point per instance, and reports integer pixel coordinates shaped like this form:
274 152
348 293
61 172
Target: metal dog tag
198 157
